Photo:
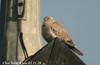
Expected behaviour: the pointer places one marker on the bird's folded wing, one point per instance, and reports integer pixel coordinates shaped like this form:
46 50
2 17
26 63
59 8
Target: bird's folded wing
60 32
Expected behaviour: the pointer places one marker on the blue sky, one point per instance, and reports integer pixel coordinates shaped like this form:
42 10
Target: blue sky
82 19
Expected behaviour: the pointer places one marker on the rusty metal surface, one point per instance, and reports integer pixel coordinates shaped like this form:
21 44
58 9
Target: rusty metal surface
54 53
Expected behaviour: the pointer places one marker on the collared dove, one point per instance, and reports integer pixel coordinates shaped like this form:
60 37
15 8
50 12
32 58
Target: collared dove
52 29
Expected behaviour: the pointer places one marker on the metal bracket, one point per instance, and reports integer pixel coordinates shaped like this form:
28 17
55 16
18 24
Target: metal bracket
20 9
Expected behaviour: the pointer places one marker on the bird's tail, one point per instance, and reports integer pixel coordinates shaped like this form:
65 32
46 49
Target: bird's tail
77 51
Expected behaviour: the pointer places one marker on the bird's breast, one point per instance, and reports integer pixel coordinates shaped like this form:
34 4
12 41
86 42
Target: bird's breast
47 33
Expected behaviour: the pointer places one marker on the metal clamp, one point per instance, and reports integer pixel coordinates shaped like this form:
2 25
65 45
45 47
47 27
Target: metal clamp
21 9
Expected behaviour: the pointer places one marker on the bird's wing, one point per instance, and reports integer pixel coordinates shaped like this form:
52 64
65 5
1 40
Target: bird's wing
57 29
60 32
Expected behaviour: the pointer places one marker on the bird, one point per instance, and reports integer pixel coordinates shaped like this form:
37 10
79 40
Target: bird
51 29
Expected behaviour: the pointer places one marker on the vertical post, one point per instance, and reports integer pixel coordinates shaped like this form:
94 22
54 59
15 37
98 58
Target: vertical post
31 28
12 23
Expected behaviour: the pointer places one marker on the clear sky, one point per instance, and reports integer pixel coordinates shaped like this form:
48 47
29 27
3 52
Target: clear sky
82 19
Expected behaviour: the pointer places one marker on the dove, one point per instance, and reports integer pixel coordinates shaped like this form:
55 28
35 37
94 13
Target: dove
51 29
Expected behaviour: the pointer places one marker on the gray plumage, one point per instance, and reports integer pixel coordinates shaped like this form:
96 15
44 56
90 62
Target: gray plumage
52 29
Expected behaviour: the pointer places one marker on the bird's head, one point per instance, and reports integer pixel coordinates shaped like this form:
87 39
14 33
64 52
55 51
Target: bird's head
49 18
